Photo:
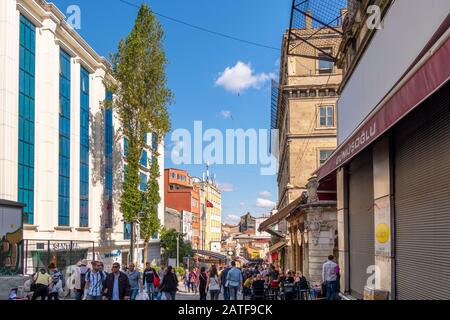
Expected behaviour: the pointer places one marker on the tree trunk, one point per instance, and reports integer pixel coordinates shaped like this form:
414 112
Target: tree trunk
146 241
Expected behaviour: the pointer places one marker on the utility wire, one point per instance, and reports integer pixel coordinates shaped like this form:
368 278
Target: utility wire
223 35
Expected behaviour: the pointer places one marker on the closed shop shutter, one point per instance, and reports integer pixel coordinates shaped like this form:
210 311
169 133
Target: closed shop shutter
422 200
361 221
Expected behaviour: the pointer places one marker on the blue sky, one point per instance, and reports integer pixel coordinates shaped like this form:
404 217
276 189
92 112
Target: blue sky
196 61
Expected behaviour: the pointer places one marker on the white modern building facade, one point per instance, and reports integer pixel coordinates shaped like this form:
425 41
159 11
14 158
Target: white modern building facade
61 151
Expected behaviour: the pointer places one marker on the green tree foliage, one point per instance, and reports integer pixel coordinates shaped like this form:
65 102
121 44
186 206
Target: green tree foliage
150 223
141 96
169 244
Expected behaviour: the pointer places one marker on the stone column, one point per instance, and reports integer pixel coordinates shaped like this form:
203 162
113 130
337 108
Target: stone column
383 196
320 223
9 99
342 226
47 129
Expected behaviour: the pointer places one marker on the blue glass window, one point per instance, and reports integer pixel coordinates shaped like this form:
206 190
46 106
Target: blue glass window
125 147
143 183
84 148
154 141
109 136
144 161
26 118
64 140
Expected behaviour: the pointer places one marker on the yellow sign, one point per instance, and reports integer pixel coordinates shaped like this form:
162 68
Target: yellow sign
382 233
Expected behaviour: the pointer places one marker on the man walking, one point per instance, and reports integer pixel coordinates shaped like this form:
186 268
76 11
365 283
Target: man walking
223 282
149 280
329 278
93 289
79 280
134 277
117 286
234 280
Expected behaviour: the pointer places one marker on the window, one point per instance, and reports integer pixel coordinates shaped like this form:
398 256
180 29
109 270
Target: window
154 141
143 182
125 147
325 62
173 175
108 188
84 148
326 114
64 140
126 231
324 155
178 177
26 119
144 161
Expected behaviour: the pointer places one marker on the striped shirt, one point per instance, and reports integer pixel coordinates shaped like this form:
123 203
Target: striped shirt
95 280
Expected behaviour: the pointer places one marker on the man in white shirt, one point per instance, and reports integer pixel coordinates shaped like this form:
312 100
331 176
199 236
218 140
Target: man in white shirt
329 278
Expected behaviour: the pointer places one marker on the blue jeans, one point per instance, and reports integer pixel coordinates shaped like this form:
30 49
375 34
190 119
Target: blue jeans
134 293
79 294
150 290
233 292
331 289
226 293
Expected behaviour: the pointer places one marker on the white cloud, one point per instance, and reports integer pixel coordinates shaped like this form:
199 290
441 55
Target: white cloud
226 114
241 77
265 194
277 62
242 204
265 203
226 187
233 217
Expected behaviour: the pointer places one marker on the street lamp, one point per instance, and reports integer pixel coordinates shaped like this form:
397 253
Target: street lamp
178 247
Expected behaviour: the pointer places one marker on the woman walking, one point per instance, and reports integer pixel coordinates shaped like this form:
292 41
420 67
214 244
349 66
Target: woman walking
187 282
203 281
169 285
42 281
214 284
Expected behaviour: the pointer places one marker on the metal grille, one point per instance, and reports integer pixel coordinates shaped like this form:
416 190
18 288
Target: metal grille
361 221
64 254
310 19
422 201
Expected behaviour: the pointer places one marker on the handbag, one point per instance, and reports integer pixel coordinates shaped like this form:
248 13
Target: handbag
156 282
142 295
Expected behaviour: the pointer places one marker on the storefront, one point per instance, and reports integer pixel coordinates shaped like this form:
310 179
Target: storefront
392 174
422 199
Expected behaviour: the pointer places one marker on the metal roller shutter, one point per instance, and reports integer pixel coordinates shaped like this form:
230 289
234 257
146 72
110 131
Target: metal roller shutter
361 221
422 201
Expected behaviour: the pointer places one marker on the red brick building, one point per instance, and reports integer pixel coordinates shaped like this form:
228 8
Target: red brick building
181 194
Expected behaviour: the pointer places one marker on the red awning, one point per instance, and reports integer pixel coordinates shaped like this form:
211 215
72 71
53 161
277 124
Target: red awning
433 74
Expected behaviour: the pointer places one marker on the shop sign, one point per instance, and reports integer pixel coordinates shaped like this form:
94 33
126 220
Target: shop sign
382 227
64 246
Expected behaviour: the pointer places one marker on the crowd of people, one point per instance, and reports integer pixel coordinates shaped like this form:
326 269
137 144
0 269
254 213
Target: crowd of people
258 282
94 283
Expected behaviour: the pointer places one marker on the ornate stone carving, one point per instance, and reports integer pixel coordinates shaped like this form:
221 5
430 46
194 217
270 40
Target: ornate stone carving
315 224
312 186
350 16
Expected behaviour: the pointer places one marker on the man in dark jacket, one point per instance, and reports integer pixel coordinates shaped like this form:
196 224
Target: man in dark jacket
117 285
223 282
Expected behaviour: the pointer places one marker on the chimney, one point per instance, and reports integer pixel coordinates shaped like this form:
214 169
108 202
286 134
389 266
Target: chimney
308 18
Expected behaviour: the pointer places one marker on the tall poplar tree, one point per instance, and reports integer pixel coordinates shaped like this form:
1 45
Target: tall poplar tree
141 97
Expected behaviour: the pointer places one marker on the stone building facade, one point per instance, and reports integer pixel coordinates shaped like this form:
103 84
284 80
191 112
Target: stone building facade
306 120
